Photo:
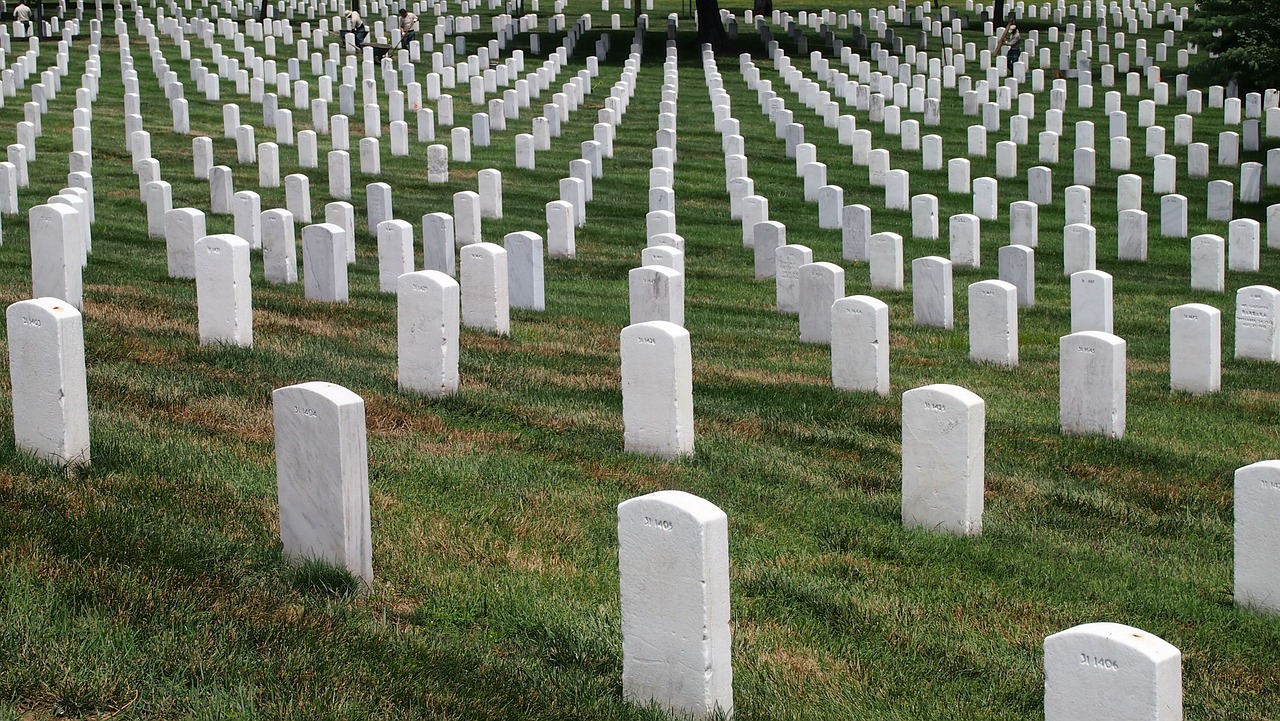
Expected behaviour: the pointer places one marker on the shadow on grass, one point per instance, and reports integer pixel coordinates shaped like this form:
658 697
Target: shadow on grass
314 577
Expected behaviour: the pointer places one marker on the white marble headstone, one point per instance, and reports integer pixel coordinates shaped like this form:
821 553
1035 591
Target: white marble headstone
673 563
47 379
322 476
943 459
657 389
1109 671
427 323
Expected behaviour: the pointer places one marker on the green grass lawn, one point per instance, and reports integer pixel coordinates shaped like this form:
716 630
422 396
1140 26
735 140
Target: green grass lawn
152 584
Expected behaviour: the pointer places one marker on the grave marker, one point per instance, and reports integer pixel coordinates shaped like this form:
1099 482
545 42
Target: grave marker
428 316
485 299
943 459
1257 545
1257 310
224 298
1195 348
1091 384
821 285
657 397
322 475
860 344
1109 671
324 262
673 564
47 378
993 323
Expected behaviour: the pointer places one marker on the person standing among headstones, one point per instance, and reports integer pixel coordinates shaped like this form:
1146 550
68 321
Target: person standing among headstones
1013 39
356 26
408 28
22 16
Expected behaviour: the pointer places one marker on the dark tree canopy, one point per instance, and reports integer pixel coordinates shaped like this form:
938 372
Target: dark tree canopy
1244 35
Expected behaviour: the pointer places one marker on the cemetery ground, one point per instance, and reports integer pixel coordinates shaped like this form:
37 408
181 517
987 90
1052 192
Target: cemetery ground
151 584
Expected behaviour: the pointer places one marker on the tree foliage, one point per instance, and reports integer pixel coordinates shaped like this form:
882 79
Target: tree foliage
1238 39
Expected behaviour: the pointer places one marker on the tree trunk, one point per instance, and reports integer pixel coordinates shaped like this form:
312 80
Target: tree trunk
710 29
997 14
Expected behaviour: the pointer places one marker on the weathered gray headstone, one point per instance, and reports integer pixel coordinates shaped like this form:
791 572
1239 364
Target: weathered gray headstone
1079 248
182 228
279 246
931 292
1017 266
884 255
821 284
767 238
993 323
246 210
438 244
324 262
1195 348
525 281
1257 546
965 233
656 293
1244 245
790 258
1257 312
855 228
56 254
1091 301
395 253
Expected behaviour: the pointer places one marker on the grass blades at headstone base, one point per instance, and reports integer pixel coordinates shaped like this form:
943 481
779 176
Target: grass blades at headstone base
152 585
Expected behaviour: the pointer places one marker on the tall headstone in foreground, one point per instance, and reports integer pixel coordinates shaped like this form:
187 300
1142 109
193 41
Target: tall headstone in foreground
1257 311
427 324
47 376
657 389
860 344
224 298
1091 384
673 565
1257 536
943 459
322 476
1110 671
